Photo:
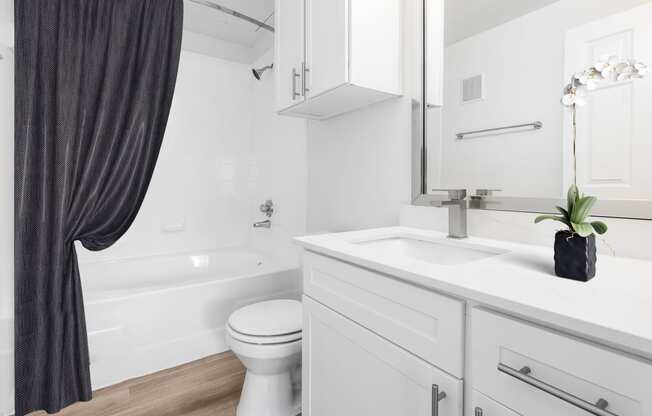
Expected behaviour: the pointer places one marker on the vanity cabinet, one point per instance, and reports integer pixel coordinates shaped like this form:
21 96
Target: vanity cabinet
334 56
539 372
429 325
351 371
481 405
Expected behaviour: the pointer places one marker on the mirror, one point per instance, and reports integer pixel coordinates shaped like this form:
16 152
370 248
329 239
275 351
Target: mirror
495 72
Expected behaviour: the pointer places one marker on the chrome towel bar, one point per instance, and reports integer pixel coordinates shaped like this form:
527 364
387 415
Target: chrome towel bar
537 125
598 409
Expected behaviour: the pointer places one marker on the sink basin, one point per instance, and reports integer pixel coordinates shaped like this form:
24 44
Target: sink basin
444 252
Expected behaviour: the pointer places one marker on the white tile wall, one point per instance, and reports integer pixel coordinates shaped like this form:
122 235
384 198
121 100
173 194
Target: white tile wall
278 171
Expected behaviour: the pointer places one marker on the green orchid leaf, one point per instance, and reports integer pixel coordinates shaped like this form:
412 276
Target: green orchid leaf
599 227
564 213
584 229
552 218
573 196
582 208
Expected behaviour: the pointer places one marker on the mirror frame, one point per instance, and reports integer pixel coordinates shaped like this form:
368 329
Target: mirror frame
626 209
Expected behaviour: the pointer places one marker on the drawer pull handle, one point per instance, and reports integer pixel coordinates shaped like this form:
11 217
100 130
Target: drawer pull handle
437 396
598 409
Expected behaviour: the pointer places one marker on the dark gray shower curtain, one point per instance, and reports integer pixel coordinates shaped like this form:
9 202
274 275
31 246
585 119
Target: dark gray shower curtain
94 85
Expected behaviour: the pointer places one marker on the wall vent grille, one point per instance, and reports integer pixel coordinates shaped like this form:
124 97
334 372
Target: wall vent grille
472 89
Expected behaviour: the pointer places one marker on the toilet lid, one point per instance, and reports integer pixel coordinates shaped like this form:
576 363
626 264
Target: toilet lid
270 318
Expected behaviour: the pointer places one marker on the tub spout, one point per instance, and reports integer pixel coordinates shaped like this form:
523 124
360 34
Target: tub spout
263 224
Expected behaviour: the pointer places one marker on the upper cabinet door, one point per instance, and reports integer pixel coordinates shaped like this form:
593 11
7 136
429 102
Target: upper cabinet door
290 52
327 31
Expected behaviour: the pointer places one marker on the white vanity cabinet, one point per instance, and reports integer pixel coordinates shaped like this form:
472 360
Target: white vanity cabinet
384 332
539 372
351 371
334 56
370 343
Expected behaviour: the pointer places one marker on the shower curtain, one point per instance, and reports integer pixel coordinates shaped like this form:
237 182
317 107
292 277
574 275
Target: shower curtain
94 84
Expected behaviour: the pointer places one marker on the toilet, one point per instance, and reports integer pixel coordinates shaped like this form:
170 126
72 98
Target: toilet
266 337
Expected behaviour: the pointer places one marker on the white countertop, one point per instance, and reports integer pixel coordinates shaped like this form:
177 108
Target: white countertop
614 308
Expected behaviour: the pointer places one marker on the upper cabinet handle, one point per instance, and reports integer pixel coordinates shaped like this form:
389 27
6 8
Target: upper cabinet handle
598 409
295 75
437 396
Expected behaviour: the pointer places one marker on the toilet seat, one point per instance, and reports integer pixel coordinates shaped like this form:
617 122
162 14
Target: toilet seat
263 340
267 323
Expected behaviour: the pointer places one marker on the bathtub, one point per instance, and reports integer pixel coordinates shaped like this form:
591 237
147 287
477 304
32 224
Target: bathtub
147 314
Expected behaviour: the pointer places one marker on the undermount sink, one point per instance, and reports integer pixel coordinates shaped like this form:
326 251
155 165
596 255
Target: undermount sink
444 251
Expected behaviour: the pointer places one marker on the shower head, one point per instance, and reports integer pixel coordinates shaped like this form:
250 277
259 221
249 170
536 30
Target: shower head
258 72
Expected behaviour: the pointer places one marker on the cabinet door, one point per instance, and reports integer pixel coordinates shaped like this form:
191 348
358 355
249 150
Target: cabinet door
289 51
350 371
327 44
483 406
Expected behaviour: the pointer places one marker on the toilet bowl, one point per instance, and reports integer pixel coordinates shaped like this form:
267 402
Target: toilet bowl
266 337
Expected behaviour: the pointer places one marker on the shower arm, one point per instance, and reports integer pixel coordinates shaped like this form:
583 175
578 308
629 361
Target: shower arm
234 14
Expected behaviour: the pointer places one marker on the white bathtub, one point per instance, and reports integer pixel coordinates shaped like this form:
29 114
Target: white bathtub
148 314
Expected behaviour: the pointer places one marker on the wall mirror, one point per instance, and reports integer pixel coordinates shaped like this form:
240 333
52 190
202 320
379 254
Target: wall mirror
494 124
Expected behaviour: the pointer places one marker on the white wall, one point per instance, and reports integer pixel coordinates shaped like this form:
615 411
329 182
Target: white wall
523 66
280 155
626 238
6 228
359 167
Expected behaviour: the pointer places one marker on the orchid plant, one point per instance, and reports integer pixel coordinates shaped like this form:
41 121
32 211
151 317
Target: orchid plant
609 69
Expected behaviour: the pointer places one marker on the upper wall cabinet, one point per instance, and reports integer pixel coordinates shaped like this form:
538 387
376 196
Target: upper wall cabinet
334 56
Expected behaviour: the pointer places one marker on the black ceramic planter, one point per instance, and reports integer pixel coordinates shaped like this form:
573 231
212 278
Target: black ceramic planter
575 256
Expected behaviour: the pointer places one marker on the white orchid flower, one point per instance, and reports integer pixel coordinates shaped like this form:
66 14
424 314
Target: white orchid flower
609 68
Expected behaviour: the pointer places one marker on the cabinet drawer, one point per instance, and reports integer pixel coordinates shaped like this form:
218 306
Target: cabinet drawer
350 371
481 405
425 323
563 373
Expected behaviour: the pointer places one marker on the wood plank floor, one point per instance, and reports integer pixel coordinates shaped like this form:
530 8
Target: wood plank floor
210 386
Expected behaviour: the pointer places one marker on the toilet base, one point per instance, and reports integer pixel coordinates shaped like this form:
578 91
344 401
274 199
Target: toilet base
267 395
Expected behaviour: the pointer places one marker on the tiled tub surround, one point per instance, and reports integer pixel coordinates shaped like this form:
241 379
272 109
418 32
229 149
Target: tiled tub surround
148 314
410 323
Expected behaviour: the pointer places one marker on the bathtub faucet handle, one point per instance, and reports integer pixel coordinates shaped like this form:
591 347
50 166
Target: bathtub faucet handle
267 208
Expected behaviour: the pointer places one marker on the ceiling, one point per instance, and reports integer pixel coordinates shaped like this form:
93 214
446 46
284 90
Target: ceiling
465 18
211 22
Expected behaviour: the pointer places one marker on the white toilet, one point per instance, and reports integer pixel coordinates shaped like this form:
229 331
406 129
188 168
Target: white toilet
266 337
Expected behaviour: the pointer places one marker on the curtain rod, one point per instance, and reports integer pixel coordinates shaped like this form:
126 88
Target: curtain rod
234 14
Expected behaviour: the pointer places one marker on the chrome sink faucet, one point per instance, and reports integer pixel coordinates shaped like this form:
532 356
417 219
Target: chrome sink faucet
457 211
263 224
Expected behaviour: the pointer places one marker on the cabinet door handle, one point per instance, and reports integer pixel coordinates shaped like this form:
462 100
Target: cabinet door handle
437 396
295 75
598 409
304 76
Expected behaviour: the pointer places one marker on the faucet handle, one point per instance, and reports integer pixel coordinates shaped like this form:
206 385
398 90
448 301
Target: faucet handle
453 194
484 193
